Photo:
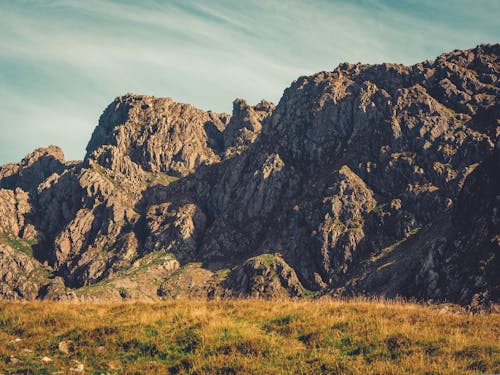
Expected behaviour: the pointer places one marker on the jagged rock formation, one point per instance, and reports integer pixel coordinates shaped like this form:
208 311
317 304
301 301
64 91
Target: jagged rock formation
245 125
33 169
378 179
150 134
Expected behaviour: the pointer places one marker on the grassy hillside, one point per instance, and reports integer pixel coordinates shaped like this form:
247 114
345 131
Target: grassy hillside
245 336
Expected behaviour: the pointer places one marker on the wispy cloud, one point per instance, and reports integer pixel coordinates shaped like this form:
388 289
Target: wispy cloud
62 61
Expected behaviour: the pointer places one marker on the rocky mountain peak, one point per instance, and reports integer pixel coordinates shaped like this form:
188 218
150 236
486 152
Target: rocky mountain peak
364 179
158 134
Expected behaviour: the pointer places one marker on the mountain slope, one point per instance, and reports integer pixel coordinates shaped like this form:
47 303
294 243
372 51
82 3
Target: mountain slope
363 165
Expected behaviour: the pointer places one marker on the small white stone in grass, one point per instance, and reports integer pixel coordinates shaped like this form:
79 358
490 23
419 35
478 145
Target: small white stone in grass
27 351
15 341
46 360
66 346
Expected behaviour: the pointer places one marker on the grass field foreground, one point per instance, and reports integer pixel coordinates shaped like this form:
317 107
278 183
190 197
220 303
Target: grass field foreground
246 336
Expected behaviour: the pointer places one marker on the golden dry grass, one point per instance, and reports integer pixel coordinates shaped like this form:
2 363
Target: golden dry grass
247 336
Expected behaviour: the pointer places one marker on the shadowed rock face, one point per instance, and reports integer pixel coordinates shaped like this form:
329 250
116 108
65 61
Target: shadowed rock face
377 179
33 169
467 264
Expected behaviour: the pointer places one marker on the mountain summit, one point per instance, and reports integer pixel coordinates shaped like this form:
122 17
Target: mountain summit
369 179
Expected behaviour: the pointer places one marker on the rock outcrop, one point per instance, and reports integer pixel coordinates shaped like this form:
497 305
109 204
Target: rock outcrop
245 125
33 169
264 276
369 179
156 134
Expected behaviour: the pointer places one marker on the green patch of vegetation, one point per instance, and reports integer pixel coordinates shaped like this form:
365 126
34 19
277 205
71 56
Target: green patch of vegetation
179 271
23 246
285 325
285 319
160 179
188 340
397 345
266 259
40 275
105 173
352 346
309 293
154 258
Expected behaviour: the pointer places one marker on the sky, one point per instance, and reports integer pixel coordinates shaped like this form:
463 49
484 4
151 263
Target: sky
63 61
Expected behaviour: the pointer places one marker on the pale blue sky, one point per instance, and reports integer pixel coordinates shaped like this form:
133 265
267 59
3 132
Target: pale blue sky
63 61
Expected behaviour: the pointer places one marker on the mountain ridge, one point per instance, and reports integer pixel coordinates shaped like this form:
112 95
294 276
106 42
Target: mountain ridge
355 177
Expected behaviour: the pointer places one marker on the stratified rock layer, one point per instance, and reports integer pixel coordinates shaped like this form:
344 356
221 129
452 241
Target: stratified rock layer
370 179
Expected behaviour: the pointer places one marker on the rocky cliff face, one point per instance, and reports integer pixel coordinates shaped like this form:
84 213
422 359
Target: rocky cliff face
376 179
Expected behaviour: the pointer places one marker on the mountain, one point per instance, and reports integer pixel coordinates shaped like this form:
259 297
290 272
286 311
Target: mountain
369 179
